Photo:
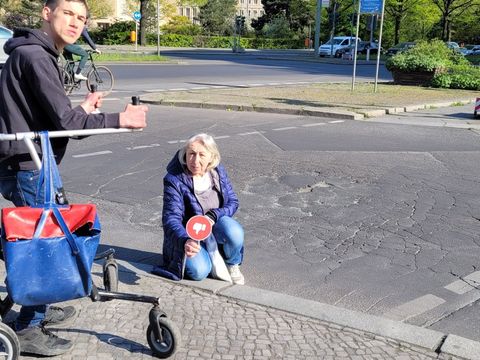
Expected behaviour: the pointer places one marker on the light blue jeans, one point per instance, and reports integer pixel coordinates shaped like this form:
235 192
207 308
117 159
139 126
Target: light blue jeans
228 233
20 187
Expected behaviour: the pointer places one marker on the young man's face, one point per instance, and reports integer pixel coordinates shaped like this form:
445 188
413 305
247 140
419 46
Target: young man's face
65 23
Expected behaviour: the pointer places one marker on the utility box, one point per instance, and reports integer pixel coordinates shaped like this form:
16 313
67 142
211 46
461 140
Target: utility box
133 36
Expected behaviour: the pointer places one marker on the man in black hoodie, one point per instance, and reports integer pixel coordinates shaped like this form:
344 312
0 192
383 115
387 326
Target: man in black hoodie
32 98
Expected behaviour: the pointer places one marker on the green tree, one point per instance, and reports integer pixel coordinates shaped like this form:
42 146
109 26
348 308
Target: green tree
216 16
466 27
278 27
298 13
450 10
398 10
100 9
148 9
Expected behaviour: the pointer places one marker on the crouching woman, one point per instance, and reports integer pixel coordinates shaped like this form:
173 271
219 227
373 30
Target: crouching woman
197 184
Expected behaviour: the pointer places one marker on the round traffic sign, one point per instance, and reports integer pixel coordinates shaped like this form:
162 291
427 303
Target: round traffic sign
137 15
199 227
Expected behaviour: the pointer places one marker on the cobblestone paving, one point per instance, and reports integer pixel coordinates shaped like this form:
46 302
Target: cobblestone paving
215 327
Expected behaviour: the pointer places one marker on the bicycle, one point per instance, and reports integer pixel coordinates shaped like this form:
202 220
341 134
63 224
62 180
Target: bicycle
98 75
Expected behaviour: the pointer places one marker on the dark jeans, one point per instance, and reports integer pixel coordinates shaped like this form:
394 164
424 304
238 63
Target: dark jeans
77 50
20 187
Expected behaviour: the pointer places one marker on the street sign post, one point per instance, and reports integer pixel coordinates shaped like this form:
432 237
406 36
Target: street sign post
137 15
369 7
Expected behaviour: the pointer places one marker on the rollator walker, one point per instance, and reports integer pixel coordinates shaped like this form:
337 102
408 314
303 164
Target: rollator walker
163 336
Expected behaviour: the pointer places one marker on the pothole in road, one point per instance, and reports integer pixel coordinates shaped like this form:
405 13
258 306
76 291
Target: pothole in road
304 183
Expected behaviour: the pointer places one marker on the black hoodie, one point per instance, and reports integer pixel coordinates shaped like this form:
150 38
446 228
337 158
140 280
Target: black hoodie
32 98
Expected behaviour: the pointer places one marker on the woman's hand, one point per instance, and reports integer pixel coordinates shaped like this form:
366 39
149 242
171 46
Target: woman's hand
191 248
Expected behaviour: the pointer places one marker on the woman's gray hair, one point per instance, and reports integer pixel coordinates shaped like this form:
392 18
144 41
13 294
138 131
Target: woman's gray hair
209 143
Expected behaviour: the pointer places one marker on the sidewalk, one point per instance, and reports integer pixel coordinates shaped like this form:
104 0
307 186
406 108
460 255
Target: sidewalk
218 321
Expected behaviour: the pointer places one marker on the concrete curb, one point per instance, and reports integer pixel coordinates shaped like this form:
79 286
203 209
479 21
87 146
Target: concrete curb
306 111
404 334
334 113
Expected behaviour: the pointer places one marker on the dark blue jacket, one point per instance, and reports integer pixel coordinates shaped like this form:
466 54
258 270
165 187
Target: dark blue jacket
179 205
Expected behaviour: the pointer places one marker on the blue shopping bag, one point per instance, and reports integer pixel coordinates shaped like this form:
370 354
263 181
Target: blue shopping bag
49 250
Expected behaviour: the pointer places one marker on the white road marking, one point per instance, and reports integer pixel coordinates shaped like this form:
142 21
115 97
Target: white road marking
250 133
143 147
468 283
336 121
314 124
156 90
285 128
222 137
92 154
414 307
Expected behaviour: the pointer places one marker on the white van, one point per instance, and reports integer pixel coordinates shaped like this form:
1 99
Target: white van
339 42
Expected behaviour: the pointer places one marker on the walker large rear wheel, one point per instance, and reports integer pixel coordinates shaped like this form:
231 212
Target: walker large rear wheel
9 344
165 347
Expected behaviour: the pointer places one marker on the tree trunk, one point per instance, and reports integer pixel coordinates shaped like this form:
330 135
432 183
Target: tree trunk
444 27
143 22
397 30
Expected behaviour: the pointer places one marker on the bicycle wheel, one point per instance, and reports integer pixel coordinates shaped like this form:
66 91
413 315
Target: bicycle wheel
102 77
67 81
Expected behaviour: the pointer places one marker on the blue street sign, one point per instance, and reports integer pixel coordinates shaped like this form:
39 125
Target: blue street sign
137 15
370 6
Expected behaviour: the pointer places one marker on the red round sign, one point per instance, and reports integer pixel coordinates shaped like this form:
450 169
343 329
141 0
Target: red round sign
199 227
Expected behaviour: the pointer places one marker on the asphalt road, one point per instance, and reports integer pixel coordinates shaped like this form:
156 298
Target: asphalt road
380 218
199 70
376 217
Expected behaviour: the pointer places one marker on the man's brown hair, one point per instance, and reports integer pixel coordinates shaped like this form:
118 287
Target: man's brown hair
52 4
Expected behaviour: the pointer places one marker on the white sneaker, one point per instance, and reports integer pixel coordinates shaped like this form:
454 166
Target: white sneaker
236 275
79 77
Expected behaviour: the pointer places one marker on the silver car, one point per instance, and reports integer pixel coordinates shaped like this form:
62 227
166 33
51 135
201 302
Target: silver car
5 34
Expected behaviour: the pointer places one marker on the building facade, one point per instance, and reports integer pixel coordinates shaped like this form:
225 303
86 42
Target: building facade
251 9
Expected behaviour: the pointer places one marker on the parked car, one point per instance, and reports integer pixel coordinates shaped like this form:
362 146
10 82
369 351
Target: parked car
464 51
5 34
475 50
399 48
453 45
335 44
362 48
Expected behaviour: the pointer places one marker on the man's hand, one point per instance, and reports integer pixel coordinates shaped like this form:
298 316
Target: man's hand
134 117
97 51
92 101
191 248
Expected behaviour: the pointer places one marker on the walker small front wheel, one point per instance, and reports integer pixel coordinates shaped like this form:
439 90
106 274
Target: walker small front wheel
9 344
170 338
110 278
